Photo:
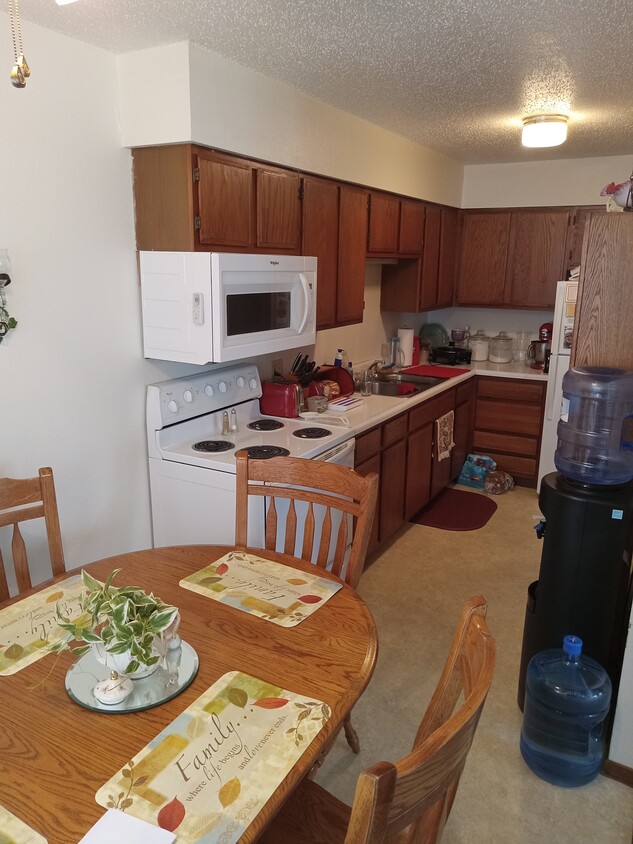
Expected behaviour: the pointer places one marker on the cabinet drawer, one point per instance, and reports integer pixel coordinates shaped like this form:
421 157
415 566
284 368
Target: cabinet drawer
508 417
530 392
431 410
521 467
464 392
485 441
367 445
394 430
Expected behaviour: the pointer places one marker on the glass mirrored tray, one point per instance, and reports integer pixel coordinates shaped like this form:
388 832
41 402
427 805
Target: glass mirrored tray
175 672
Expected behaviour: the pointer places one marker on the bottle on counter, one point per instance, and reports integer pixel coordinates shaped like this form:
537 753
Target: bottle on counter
338 358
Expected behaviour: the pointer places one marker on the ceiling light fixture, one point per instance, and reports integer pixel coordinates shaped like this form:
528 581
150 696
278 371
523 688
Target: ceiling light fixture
544 130
64 2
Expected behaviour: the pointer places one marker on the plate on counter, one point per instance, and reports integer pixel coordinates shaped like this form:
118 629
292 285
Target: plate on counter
435 334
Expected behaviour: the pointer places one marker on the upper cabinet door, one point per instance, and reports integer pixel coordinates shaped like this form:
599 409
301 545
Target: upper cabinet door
536 257
351 257
225 201
384 221
430 257
411 228
278 210
448 250
484 249
320 238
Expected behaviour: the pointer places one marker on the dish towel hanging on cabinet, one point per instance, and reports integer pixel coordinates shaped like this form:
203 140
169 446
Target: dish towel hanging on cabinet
444 435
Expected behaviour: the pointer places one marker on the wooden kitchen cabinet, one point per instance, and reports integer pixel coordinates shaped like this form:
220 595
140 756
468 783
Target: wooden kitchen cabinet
396 226
602 328
423 417
508 424
192 198
513 257
350 297
536 257
411 240
384 224
426 283
447 259
484 238
335 231
320 238
366 468
463 427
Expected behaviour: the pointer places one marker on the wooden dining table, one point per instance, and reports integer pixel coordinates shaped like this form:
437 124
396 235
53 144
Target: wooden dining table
55 754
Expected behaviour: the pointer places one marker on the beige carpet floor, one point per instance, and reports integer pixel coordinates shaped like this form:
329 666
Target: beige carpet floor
415 590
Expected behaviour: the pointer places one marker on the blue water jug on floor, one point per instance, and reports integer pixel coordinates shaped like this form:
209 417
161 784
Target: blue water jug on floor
567 698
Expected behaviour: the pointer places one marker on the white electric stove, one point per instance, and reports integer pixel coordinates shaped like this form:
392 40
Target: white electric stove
195 424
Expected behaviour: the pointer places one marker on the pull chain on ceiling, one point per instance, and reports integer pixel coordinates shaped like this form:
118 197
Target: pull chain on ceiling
20 70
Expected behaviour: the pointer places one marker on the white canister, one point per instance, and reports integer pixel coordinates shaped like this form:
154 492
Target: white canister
478 345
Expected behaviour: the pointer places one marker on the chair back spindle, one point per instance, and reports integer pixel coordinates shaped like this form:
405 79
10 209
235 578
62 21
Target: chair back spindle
22 500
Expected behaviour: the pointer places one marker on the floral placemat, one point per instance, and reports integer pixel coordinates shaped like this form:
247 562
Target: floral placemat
208 774
262 587
15 831
29 626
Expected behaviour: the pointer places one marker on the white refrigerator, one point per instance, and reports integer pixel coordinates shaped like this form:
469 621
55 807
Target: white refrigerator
564 313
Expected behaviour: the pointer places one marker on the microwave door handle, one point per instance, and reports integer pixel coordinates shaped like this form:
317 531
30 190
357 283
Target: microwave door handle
306 299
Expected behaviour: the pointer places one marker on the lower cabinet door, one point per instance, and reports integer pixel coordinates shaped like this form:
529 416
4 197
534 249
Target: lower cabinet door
418 486
392 481
440 473
366 468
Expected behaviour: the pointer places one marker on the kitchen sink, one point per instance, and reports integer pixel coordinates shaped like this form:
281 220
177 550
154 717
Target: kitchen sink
402 385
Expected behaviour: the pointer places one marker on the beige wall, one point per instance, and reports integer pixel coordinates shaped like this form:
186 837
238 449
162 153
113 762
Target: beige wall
569 182
236 109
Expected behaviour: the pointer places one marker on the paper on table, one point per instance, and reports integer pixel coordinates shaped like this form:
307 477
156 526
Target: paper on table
116 826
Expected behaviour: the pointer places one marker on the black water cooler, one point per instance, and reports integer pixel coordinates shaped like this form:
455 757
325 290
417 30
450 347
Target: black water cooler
584 579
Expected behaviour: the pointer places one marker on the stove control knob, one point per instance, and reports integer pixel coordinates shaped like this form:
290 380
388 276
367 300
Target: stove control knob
208 390
253 383
188 396
172 407
240 381
222 386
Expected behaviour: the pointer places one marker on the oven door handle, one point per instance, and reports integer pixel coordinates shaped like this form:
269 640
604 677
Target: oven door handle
306 298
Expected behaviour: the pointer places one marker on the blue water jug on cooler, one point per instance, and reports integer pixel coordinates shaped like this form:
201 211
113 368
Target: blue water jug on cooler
567 698
595 431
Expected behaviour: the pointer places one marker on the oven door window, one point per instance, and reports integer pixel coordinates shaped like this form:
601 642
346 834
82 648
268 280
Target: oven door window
252 313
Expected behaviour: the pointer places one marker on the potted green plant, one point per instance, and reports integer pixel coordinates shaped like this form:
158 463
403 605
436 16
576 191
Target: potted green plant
121 624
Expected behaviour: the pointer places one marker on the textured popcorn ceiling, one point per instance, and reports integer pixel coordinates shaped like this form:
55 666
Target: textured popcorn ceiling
453 75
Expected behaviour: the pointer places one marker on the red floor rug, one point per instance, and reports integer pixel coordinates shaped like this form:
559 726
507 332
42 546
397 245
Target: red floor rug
456 510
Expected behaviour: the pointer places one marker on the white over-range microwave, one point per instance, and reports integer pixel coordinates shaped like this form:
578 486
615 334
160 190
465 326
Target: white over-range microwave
208 307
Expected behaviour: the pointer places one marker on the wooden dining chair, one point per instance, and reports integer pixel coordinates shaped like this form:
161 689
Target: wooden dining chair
333 489
22 500
407 802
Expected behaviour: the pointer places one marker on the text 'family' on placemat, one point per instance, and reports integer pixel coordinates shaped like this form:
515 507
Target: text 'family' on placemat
29 626
208 774
262 587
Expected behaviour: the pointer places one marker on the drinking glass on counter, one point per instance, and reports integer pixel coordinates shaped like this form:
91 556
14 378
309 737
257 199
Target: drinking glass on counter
365 382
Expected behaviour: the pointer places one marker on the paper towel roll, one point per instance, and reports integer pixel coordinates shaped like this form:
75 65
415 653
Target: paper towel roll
406 344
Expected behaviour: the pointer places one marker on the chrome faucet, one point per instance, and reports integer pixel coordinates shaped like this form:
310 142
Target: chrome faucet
375 366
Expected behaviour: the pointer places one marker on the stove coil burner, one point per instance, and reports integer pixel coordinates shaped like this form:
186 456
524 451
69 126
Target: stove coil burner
312 433
265 425
213 446
264 452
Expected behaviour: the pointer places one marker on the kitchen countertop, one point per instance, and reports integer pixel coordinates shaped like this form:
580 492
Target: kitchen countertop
375 410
